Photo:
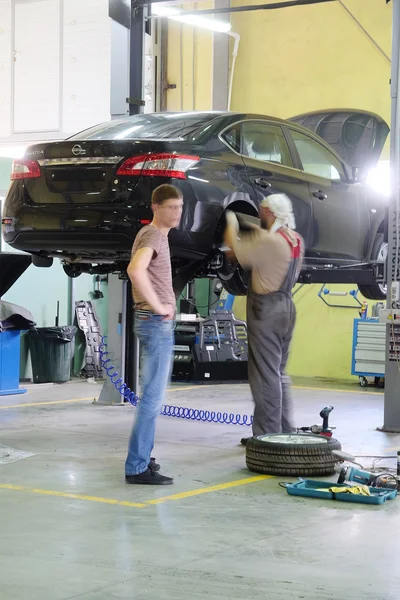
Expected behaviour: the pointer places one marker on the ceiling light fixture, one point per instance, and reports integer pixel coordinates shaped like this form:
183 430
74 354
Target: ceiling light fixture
195 20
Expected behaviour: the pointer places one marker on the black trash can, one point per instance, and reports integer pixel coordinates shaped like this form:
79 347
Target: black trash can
52 350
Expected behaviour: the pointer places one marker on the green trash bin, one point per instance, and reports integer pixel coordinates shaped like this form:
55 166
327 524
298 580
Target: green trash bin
52 350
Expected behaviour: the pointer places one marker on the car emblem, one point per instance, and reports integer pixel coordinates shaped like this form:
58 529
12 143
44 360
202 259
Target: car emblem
77 150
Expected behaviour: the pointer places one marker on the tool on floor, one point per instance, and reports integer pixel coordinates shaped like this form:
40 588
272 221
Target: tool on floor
325 490
323 429
385 478
181 412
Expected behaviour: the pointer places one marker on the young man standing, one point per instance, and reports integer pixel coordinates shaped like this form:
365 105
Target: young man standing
150 273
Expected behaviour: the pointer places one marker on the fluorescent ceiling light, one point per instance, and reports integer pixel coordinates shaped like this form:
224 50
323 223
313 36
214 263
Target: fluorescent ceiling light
194 20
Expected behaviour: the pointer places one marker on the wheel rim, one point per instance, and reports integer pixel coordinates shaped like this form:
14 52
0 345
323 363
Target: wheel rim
298 439
382 256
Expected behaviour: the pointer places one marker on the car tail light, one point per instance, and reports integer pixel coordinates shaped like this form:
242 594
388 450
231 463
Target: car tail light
158 165
25 169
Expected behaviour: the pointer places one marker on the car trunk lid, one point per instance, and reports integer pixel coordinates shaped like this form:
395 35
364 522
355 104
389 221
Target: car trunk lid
357 136
86 172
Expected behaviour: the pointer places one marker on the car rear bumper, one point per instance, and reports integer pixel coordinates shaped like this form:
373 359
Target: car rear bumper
87 234
83 242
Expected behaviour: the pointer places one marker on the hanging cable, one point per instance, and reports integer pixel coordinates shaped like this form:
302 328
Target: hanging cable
180 412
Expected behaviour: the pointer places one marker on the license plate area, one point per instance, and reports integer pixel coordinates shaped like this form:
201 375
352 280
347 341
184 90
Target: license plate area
76 181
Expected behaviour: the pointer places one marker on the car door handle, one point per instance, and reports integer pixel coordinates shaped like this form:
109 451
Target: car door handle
320 195
262 182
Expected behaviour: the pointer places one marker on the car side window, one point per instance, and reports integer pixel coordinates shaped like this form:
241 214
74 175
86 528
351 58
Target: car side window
232 138
316 159
266 142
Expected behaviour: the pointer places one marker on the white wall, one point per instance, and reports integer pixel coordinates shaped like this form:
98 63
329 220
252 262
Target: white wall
77 73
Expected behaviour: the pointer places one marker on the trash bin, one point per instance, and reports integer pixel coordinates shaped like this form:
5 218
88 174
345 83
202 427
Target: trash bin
52 349
13 320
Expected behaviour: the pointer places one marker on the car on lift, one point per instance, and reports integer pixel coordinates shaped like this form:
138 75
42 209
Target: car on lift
83 200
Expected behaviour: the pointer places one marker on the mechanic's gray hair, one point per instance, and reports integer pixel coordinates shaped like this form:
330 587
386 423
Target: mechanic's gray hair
281 207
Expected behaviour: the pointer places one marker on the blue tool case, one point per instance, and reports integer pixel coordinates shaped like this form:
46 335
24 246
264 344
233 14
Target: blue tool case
320 489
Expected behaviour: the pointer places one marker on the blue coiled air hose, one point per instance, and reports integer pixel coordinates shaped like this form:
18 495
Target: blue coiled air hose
181 412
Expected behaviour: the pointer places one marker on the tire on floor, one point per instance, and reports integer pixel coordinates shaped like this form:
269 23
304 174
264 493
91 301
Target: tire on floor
295 455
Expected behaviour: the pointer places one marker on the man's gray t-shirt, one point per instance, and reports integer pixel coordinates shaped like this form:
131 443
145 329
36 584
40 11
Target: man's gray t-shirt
159 269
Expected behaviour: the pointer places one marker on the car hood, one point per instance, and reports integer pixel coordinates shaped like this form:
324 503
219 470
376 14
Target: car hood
357 136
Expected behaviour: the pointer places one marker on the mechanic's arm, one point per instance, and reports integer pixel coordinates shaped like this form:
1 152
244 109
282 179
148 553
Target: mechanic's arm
138 274
243 247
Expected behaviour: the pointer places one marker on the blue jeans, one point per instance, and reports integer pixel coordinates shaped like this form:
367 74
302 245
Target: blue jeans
156 341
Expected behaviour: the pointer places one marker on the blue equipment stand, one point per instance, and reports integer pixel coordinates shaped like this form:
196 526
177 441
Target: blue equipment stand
10 343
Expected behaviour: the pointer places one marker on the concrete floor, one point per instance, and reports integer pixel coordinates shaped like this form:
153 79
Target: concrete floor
66 533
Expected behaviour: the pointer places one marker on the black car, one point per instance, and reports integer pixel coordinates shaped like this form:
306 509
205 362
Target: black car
83 200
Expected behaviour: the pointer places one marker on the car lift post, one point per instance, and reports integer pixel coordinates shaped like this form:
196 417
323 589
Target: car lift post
122 343
391 421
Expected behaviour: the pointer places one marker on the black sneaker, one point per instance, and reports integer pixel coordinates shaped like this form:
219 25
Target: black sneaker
153 465
149 477
244 441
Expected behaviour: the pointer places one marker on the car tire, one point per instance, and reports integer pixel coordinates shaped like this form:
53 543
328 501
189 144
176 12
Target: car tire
233 277
42 261
379 252
294 455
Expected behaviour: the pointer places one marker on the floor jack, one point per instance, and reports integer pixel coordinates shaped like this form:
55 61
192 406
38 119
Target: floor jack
323 429
385 478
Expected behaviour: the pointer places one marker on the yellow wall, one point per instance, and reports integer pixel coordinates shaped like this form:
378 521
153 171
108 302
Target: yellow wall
322 340
291 61
300 59
189 64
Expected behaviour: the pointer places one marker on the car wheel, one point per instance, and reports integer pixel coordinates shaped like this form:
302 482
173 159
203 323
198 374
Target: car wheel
233 277
379 252
72 271
295 455
42 261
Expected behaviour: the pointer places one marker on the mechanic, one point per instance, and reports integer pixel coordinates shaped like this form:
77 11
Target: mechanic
150 273
273 253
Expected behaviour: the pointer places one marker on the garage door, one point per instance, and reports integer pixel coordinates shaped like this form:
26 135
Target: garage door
36 66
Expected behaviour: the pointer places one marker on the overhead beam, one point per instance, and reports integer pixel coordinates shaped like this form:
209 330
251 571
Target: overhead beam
136 59
236 9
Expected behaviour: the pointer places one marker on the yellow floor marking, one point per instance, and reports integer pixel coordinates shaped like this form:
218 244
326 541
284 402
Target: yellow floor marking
343 391
49 402
211 488
22 405
182 495
20 488
183 389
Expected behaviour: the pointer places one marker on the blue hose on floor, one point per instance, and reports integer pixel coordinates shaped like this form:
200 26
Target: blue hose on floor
181 412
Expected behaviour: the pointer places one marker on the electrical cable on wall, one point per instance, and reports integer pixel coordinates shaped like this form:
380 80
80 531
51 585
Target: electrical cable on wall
180 412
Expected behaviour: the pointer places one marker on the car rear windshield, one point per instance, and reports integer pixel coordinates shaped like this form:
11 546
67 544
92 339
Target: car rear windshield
149 126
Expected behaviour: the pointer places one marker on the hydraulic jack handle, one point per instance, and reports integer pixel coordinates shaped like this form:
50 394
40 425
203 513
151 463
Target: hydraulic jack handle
324 414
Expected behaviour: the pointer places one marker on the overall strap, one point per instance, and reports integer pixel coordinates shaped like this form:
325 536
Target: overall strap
296 249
